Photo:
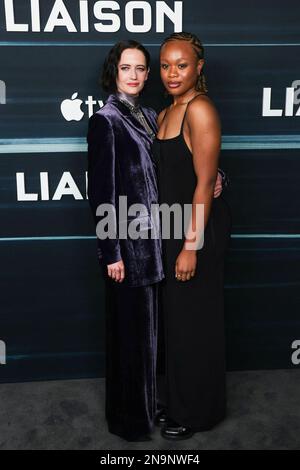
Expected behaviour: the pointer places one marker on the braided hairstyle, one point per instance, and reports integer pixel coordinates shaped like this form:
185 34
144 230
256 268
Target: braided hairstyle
198 49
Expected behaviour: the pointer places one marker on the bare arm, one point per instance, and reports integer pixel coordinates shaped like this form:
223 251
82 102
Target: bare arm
205 137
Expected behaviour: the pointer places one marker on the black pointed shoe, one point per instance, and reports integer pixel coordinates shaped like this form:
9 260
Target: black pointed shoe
175 431
160 418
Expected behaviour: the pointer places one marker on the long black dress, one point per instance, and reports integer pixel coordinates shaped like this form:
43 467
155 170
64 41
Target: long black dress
195 386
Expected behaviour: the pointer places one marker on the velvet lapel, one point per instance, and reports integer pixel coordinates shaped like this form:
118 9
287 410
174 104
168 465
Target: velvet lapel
124 111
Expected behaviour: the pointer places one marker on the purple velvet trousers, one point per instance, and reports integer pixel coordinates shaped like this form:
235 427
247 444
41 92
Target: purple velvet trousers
131 358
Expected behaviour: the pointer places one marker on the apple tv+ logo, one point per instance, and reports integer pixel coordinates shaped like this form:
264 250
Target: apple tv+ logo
71 108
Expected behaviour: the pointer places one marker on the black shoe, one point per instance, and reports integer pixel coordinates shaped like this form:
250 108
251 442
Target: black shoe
160 418
175 431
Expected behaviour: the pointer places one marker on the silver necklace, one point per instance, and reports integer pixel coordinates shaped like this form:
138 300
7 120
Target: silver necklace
136 111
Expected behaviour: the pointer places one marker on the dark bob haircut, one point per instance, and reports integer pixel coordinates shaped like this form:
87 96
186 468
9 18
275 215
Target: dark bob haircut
110 67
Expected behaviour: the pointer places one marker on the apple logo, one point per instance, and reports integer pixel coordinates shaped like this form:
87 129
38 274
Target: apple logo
71 110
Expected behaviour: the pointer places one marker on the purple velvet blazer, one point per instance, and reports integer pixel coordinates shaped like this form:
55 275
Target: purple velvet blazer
120 164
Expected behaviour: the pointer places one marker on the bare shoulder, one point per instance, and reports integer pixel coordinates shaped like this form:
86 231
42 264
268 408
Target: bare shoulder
202 111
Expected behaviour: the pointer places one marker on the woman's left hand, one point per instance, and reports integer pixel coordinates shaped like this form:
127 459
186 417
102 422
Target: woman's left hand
185 266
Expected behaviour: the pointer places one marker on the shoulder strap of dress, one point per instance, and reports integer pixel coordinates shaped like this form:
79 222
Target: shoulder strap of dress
181 128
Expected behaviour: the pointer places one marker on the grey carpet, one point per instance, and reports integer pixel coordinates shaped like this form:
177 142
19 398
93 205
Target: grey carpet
263 413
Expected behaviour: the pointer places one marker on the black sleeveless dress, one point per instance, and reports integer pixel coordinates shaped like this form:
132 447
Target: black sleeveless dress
194 389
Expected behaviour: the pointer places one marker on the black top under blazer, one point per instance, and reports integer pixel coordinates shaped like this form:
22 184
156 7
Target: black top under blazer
120 164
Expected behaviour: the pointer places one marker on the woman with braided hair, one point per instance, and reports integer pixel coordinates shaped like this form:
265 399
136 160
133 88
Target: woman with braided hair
187 153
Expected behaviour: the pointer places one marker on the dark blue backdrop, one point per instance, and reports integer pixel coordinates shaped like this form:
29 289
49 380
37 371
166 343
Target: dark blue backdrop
51 317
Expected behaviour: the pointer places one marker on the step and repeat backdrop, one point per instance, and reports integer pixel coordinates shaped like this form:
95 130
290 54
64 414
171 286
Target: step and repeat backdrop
51 52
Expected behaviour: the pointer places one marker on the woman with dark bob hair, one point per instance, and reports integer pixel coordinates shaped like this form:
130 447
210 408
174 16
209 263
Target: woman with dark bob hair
120 167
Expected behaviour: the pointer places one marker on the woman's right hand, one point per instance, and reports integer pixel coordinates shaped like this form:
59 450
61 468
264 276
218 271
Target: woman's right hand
116 271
